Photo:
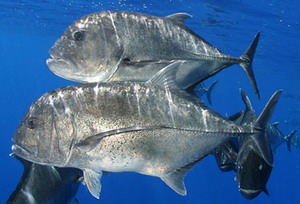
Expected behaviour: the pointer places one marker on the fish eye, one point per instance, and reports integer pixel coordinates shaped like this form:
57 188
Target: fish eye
31 123
78 35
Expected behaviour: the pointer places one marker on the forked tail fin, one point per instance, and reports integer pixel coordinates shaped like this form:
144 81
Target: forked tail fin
209 90
246 64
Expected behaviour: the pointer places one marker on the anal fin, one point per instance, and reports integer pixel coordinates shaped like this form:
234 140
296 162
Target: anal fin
175 179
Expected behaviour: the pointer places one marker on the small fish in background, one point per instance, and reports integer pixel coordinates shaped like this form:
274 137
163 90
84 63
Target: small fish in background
153 128
45 184
129 46
295 140
243 155
201 89
276 137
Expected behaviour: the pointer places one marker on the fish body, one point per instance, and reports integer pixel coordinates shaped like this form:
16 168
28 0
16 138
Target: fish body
150 128
252 156
129 46
45 184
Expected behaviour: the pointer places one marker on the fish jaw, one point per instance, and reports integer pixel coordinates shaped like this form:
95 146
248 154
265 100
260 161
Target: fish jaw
20 151
26 154
63 68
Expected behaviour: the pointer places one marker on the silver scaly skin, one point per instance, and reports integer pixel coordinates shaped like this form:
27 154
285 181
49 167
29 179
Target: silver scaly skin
129 46
151 128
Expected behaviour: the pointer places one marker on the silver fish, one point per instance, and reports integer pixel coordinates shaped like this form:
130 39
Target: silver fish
151 128
128 46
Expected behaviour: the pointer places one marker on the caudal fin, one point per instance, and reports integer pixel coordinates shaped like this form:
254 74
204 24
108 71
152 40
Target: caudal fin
288 139
209 90
246 64
260 124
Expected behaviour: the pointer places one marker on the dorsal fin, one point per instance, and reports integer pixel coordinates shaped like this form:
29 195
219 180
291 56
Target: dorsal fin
166 77
246 100
181 17
260 124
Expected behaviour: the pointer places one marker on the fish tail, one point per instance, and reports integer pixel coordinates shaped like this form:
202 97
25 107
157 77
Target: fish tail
246 63
288 139
260 138
209 90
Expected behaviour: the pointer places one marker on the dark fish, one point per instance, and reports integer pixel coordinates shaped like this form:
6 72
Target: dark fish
152 128
128 46
253 170
46 184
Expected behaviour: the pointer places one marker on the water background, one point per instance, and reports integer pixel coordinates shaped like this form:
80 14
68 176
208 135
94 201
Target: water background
29 28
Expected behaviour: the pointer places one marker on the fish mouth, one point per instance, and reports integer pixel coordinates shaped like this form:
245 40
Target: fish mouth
21 151
249 193
61 67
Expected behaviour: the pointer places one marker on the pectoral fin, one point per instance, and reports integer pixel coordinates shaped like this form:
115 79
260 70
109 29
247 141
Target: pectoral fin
91 142
92 181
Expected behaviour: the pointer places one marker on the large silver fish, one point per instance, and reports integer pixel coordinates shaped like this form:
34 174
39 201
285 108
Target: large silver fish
152 128
125 46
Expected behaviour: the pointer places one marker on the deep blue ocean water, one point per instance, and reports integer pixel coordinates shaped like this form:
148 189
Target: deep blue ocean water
29 28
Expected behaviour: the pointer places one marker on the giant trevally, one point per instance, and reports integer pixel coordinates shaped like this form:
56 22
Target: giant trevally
253 171
46 184
126 46
152 128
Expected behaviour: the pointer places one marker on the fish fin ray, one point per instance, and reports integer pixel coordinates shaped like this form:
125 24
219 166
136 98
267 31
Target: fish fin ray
180 17
92 181
167 76
246 64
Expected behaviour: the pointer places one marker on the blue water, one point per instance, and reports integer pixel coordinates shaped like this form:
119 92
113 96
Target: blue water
29 28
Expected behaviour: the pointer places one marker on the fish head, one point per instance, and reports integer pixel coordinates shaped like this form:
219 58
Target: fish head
39 136
87 51
253 171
